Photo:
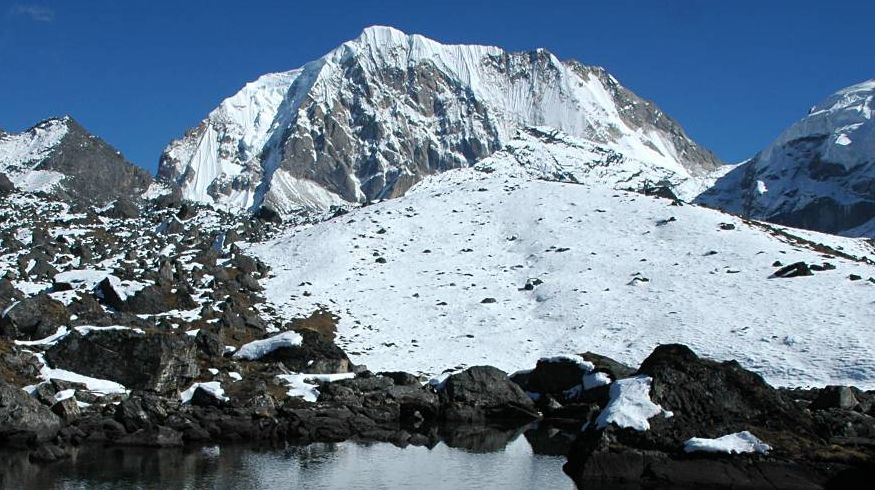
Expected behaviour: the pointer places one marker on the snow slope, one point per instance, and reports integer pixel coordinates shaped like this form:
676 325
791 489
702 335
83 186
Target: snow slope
377 114
818 174
413 279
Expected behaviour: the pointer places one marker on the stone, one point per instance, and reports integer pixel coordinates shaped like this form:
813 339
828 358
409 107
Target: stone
23 420
6 185
796 269
67 409
484 392
156 361
34 318
835 397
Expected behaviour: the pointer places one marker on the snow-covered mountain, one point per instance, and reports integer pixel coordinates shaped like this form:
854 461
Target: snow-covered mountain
819 174
486 265
60 157
376 115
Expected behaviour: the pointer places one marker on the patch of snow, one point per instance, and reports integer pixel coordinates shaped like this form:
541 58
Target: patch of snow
305 385
738 443
630 405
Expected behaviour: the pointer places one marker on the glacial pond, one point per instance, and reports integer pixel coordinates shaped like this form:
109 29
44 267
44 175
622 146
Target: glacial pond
347 465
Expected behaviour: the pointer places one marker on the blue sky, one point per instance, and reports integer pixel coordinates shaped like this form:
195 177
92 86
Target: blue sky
139 73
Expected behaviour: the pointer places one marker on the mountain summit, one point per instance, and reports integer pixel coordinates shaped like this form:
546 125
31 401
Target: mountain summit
819 174
377 114
60 157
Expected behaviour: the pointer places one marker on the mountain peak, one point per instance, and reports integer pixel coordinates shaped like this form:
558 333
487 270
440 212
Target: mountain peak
59 156
376 115
818 174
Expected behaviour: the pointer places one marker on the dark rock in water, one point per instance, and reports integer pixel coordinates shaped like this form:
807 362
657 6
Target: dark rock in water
160 362
23 420
159 436
315 355
796 269
712 399
48 453
34 318
123 208
6 185
484 392
835 397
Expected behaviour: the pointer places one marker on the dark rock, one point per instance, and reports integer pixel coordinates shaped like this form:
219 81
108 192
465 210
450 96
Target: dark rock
8 294
727 226
34 318
67 409
604 364
555 376
401 378
160 362
6 185
315 355
488 300
123 208
24 420
796 269
209 343
484 392
835 397
268 215
204 398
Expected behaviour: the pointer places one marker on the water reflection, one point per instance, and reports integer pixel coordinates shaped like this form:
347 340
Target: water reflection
488 464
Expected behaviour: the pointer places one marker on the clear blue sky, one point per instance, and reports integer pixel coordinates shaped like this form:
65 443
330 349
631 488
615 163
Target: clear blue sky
138 73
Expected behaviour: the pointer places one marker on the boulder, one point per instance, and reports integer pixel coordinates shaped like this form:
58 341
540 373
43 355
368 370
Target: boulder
23 420
34 318
835 397
315 355
6 185
123 208
796 269
484 392
160 362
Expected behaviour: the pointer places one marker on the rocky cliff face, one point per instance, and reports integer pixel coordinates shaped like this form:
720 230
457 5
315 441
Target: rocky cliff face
379 113
60 157
819 174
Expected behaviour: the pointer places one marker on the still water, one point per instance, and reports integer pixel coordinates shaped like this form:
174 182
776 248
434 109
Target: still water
345 465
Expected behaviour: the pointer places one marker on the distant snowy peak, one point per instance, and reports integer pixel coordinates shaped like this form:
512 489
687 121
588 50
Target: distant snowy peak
60 157
377 114
819 174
